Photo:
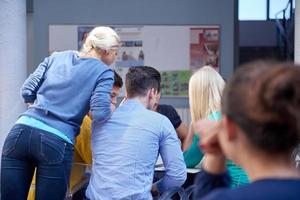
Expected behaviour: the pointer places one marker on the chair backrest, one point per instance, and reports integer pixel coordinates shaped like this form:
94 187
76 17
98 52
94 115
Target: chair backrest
189 191
167 195
80 175
296 157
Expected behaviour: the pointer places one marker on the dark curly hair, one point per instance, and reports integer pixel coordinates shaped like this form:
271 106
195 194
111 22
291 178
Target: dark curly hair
263 98
118 82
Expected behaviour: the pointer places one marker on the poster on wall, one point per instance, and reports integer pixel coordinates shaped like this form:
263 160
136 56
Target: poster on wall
131 52
175 83
205 47
156 46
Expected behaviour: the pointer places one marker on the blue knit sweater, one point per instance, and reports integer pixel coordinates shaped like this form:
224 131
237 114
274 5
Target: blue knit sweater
64 87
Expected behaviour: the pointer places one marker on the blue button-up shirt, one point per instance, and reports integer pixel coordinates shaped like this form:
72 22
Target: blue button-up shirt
125 150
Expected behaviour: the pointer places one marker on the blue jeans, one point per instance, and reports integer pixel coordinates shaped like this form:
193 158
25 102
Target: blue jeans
26 148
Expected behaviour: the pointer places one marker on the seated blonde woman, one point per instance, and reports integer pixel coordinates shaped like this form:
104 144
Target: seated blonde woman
205 90
259 130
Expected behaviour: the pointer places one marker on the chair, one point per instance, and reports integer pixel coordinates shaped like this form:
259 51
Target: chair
189 191
296 156
167 195
80 176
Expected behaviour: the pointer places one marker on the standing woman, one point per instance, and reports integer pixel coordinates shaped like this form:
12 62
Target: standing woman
205 91
60 92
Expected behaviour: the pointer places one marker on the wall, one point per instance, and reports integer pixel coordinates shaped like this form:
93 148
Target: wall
257 33
161 46
137 12
30 41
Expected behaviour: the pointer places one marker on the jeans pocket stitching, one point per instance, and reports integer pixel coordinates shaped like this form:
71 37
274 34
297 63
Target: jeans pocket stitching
15 139
61 153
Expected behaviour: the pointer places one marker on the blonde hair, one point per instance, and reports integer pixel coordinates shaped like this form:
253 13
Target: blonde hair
205 91
101 37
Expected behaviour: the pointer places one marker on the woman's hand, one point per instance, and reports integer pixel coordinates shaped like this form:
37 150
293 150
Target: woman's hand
208 131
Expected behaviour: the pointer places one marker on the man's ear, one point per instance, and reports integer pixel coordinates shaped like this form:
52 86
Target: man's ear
230 128
152 93
148 94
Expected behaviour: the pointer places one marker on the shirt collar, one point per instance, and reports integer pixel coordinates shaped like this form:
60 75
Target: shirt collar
134 103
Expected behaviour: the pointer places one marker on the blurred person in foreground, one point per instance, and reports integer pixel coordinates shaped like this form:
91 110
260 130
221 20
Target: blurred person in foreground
259 129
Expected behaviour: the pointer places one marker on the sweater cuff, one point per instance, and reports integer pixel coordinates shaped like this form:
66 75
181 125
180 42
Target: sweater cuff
29 99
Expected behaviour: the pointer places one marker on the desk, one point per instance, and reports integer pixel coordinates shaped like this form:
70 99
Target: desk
191 174
161 168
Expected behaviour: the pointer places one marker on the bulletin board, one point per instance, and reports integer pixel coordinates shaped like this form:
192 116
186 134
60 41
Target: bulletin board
176 51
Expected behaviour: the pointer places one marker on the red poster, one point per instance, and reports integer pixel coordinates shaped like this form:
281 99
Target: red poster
205 47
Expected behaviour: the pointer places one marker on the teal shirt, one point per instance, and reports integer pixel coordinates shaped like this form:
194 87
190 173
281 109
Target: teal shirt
194 155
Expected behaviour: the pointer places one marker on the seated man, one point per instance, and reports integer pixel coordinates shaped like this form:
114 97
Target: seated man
125 148
82 148
171 113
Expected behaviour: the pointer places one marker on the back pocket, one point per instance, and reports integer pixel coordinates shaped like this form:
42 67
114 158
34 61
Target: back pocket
11 141
52 149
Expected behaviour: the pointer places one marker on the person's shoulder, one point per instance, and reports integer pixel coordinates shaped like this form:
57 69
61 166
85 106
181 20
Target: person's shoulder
215 116
166 107
216 195
64 53
260 190
275 188
157 117
62 56
228 194
167 110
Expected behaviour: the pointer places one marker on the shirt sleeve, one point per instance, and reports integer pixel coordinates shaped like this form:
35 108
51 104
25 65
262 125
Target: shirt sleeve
193 155
171 154
206 183
34 81
176 121
83 141
100 100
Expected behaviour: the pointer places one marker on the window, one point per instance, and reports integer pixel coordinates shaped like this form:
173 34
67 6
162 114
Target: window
278 5
258 10
253 9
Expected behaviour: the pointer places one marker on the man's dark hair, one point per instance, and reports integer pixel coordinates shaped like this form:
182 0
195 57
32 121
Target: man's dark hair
140 79
118 80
